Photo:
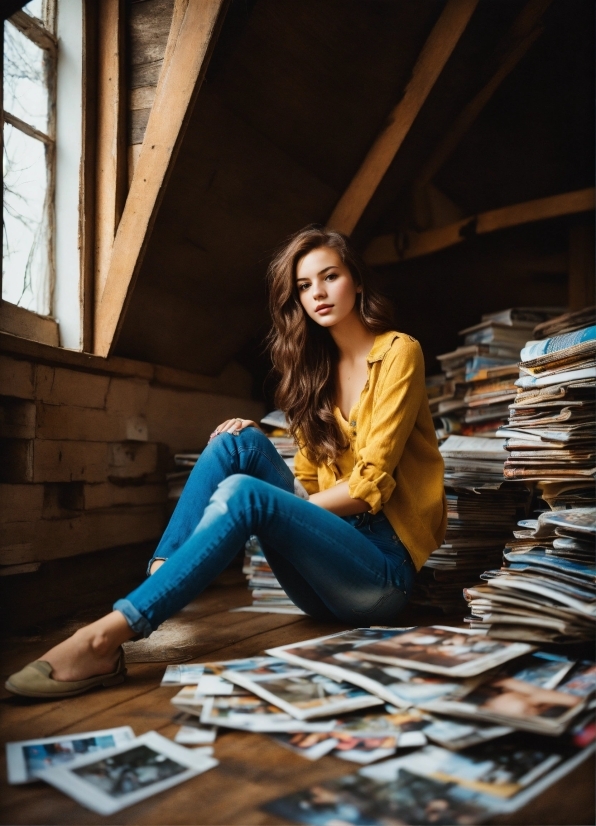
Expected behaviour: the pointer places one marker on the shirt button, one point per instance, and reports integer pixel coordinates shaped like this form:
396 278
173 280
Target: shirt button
352 424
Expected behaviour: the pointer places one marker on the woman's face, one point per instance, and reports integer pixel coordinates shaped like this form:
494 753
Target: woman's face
326 288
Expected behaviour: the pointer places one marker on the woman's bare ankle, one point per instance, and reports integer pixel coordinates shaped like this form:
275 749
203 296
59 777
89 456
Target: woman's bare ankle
155 566
90 651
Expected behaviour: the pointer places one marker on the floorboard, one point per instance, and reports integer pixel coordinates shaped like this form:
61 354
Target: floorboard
253 769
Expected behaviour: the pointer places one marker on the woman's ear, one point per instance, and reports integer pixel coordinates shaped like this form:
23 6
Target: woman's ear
359 288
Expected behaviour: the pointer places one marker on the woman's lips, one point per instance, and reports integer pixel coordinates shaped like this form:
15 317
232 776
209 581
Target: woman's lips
323 308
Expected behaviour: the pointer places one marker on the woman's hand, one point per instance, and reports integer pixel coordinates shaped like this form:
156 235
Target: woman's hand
233 426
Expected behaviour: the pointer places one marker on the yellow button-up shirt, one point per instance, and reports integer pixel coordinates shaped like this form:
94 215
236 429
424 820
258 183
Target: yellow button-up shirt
392 461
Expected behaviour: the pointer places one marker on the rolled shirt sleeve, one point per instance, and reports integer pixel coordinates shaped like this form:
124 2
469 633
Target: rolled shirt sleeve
400 392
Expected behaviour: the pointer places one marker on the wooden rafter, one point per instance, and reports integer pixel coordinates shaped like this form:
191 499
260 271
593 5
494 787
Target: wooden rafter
429 65
384 250
523 33
192 36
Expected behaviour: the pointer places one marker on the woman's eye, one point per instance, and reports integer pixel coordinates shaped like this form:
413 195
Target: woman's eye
332 276
303 287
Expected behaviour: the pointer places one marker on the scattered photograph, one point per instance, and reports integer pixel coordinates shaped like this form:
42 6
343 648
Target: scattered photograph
344 657
517 696
25 759
195 735
311 745
501 772
406 727
362 801
456 735
252 713
364 750
438 649
302 693
128 773
183 674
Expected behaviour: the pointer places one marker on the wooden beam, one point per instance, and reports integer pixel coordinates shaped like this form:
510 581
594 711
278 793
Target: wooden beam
385 250
111 180
192 37
523 33
431 61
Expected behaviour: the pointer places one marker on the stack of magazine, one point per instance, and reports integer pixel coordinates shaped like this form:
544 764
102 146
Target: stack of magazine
482 511
546 587
479 523
176 480
478 377
267 594
469 407
551 428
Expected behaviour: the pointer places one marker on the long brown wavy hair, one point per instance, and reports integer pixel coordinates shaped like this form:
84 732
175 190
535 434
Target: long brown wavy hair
304 354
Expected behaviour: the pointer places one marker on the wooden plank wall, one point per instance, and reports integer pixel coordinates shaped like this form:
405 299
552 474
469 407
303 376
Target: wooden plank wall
85 452
148 25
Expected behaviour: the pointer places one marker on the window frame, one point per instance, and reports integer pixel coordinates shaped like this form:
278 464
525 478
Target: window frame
78 274
42 34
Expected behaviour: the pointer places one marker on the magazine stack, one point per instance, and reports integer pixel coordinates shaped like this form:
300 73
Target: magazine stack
469 407
267 594
478 378
545 590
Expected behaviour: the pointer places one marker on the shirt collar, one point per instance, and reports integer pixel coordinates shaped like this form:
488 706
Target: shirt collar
381 346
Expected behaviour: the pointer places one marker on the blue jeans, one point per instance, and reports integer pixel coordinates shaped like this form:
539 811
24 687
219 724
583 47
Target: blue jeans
354 569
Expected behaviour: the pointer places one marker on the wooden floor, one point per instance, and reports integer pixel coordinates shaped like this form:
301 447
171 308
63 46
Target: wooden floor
252 770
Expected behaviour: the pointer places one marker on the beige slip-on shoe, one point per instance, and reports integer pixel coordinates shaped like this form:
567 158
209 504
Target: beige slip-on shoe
35 681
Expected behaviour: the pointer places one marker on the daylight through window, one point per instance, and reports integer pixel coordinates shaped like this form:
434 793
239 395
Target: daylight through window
29 151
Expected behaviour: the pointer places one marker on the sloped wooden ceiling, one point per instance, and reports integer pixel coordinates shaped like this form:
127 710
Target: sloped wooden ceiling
295 94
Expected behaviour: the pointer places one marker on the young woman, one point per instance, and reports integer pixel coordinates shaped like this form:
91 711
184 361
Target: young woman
353 392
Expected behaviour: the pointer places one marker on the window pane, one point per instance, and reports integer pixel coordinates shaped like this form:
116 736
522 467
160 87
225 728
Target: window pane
25 83
25 279
35 7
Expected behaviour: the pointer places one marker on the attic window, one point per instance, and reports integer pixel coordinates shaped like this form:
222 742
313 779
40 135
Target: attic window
29 156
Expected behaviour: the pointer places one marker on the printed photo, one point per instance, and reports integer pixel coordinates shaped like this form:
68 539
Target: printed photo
361 801
25 759
501 772
443 651
130 771
301 693
311 745
252 713
183 674
126 774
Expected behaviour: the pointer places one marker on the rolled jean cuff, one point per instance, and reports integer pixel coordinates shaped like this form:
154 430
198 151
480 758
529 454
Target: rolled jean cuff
136 620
